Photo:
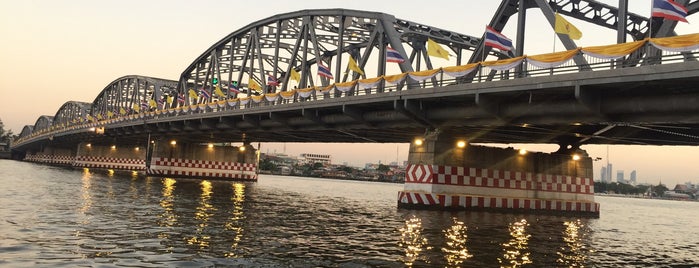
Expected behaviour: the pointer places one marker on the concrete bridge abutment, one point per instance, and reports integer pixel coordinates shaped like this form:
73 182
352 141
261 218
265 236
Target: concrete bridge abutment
445 172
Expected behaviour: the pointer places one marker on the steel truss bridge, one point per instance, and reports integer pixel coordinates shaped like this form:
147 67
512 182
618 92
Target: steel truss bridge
648 97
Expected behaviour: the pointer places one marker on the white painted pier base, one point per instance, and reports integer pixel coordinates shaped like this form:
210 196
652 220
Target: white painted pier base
444 173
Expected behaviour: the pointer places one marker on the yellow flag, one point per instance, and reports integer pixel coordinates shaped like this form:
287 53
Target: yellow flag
434 49
152 103
193 94
218 92
122 111
110 114
354 67
170 99
295 75
254 85
562 26
136 107
99 117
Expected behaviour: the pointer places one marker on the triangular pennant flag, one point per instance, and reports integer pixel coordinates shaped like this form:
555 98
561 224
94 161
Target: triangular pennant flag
354 67
562 26
435 49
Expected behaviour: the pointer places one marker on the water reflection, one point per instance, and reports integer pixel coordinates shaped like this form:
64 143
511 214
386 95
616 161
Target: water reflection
574 252
203 213
234 222
168 218
413 241
85 194
455 250
516 249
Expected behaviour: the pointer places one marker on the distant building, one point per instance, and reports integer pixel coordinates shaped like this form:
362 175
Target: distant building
632 177
620 176
609 173
603 174
324 159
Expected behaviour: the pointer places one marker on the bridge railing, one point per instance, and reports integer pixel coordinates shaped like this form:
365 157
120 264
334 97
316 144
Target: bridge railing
481 73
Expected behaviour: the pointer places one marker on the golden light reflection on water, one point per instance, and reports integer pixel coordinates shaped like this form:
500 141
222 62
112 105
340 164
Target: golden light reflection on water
233 224
413 241
168 218
203 214
515 252
85 194
574 253
455 250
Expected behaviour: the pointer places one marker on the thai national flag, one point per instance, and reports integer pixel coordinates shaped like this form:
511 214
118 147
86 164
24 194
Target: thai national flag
234 87
324 71
180 98
393 55
271 81
669 9
144 105
203 92
497 40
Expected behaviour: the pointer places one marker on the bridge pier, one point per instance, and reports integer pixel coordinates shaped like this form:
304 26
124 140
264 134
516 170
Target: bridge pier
171 158
443 174
50 155
110 156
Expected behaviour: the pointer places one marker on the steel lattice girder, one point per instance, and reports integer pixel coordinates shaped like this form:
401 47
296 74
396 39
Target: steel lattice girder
43 122
70 112
127 91
299 40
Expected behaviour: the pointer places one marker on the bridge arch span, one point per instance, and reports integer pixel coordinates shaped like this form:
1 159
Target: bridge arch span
42 123
26 131
131 92
288 48
71 112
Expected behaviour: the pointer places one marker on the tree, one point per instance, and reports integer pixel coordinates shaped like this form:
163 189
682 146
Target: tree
5 136
383 168
266 164
659 190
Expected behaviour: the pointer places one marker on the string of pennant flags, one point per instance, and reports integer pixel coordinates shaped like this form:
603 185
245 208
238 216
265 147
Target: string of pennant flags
683 43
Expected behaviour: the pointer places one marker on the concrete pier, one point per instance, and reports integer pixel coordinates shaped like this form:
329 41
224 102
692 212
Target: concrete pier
161 157
203 160
446 174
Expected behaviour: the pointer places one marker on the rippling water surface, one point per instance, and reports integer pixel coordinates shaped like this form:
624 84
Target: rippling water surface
54 217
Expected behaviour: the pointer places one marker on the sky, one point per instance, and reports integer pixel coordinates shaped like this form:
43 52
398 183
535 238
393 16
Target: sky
52 52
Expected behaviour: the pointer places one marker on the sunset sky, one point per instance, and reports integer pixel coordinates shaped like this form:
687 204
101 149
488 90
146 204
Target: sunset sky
58 51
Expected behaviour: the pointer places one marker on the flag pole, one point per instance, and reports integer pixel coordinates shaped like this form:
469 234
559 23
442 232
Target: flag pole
480 68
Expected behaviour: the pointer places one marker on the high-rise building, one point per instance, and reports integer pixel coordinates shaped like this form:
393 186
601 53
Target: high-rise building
632 177
603 174
620 176
609 172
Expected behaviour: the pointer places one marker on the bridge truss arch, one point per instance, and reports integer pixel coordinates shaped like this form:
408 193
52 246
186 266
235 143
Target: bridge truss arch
44 122
132 92
288 48
26 131
71 112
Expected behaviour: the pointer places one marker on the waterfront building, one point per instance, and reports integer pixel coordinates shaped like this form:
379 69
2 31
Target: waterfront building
632 177
324 159
609 173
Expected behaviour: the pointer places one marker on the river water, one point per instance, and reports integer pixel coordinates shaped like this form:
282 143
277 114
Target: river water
56 217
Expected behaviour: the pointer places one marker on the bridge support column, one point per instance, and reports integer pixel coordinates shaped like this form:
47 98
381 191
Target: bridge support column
443 175
173 158
111 156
